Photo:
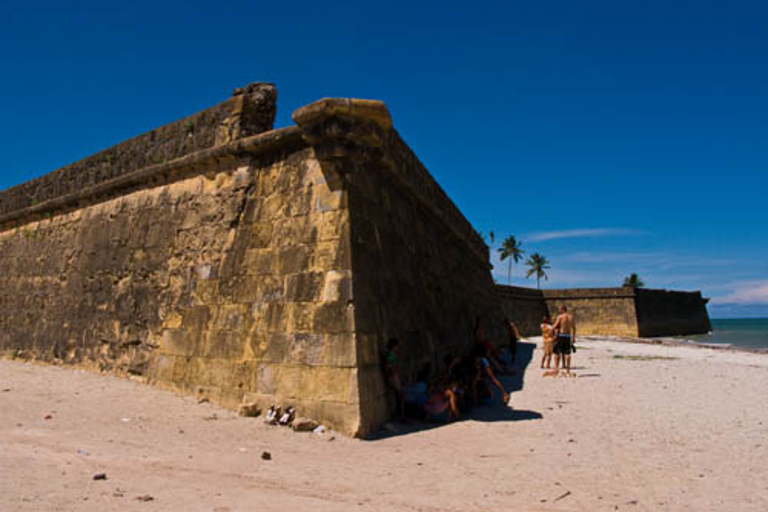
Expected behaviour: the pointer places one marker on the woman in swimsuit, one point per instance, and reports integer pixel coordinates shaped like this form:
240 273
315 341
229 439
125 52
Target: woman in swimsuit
549 342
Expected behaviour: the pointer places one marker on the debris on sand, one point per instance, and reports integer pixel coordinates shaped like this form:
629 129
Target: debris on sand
249 410
266 456
100 476
304 425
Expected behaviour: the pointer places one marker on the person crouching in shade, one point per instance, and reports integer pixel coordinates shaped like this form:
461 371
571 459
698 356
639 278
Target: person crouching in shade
514 337
392 374
485 378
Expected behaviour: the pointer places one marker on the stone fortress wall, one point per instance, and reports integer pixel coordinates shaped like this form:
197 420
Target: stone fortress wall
220 257
624 311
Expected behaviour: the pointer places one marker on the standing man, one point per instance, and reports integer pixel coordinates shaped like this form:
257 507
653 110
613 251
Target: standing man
565 329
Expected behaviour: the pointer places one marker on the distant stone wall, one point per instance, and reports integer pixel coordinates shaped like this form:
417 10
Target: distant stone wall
609 311
666 312
598 311
524 306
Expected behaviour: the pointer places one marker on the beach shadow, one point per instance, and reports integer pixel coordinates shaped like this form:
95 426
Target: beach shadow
486 413
516 381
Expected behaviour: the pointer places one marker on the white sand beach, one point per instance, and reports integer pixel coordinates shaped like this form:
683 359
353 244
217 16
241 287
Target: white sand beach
642 428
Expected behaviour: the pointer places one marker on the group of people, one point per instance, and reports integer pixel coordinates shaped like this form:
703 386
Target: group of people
559 339
470 380
464 382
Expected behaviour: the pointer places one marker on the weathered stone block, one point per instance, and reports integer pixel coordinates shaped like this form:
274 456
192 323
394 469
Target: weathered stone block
337 286
261 235
240 289
180 343
333 225
300 316
260 262
161 368
276 350
233 318
306 348
292 259
224 345
195 319
303 287
266 379
341 350
180 369
333 317
324 383
288 383
369 348
299 202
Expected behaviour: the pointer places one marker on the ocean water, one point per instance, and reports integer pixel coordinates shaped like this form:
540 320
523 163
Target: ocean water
738 332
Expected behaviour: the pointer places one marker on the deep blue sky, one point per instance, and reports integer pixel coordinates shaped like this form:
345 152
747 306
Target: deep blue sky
613 137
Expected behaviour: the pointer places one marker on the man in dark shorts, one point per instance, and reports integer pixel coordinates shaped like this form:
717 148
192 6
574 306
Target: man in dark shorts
565 330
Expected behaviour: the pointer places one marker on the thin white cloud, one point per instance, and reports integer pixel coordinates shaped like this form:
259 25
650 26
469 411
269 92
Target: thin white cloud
543 236
746 292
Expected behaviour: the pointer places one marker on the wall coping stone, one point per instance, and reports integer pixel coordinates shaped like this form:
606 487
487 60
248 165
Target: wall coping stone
184 167
249 111
346 131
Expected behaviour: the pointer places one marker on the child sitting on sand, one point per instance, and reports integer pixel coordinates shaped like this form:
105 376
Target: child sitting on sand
442 406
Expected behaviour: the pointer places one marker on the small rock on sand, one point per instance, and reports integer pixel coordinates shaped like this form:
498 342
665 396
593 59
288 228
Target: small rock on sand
266 456
249 410
100 476
304 425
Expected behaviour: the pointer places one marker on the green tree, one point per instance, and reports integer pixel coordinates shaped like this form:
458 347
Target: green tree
539 265
634 281
511 249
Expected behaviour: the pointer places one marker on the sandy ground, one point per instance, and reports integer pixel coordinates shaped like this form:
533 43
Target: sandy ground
687 433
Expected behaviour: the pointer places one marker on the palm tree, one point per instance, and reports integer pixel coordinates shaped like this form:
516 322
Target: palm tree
539 264
634 281
510 248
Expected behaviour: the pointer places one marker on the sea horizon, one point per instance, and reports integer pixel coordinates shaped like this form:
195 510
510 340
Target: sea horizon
749 332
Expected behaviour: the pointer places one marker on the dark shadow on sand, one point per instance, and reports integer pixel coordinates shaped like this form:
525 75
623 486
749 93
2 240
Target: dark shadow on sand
486 413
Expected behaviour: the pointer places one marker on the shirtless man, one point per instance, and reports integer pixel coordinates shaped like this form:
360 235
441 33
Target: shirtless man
565 329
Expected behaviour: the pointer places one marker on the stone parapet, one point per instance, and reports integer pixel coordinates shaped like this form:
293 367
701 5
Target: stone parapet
250 111
349 134
265 146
